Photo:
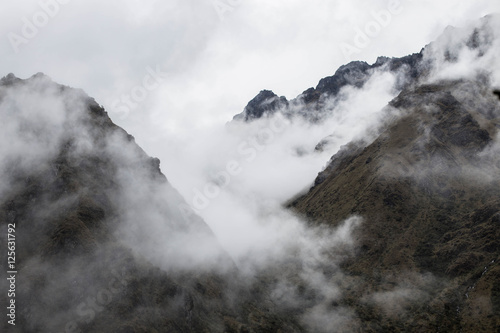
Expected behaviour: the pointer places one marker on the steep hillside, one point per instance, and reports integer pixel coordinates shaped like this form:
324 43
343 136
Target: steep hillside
427 186
429 191
103 242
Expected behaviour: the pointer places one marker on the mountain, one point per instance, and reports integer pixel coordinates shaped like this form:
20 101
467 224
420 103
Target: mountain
427 187
103 243
429 191
424 180
401 230
477 41
311 104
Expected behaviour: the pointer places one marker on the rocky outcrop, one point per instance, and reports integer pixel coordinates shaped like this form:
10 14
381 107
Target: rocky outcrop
264 104
311 103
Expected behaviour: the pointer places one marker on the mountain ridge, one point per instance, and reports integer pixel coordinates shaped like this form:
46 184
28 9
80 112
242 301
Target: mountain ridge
355 74
105 247
91 214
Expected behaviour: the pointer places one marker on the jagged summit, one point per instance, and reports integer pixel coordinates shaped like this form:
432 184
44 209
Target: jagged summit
412 68
354 73
265 103
11 77
311 101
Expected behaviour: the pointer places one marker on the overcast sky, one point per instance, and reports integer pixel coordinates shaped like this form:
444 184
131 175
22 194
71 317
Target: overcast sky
212 56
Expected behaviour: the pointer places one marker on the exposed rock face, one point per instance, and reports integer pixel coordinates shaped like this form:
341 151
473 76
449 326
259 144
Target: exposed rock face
311 103
354 73
265 103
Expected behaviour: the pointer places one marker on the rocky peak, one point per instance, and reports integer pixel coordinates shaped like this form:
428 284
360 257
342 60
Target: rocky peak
354 73
10 79
310 103
265 103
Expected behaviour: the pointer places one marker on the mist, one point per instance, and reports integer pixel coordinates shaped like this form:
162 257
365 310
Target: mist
223 207
249 228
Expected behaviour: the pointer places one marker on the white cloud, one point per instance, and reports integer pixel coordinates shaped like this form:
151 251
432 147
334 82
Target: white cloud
212 69
455 54
215 66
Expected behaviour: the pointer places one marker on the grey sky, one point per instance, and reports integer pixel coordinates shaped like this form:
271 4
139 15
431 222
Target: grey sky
215 55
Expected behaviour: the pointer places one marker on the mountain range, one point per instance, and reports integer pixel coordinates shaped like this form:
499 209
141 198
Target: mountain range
408 212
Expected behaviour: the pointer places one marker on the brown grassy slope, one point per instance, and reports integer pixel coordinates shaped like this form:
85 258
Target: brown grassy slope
431 205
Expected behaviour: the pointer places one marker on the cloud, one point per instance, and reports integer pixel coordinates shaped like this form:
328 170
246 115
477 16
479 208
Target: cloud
405 291
275 159
467 52
214 66
34 126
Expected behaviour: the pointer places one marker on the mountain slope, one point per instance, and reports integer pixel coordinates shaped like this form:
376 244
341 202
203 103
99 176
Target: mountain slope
425 181
429 192
104 243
